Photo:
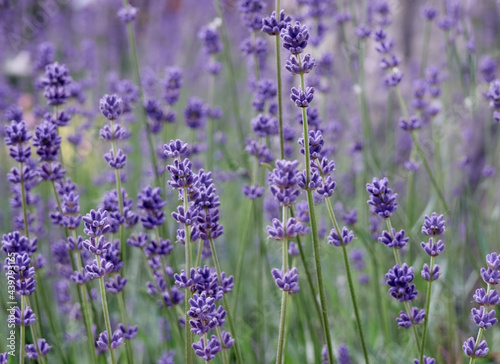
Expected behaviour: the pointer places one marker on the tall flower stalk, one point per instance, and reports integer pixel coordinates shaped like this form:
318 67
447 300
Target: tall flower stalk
128 14
484 317
295 38
434 226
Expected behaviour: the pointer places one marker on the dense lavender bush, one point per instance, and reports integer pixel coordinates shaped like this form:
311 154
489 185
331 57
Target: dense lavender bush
249 181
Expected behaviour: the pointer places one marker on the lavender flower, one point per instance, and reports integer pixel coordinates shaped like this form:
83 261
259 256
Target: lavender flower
288 282
295 37
382 198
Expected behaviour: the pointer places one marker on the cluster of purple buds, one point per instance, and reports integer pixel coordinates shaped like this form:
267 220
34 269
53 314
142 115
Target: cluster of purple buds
68 216
210 38
251 13
400 279
104 343
493 95
96 226
55 83
382 200
484 317
110 203
156 116
433 227
172 85
196 113
43 349
205 315
389 61
127 14
151 203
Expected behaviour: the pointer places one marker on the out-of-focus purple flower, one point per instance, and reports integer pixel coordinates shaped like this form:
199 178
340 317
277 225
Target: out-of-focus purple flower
43 347
343 355
429 13
413 123
264 125
210 39
487 68
425 360
253 192
128 332
196 113
127 14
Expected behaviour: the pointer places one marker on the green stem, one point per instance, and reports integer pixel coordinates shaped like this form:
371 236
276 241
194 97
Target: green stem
308 273
425 48
120 199
421 152
314 229
22 333
427 307
137 76
106 313
241 255
187 252
397 257
123 314
226 303
349 280
82 296
232 76
284 299
479 333
280 97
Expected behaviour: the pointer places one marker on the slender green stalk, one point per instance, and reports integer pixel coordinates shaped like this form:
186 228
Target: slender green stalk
308 273
241 254
226 303
421 152
314 229
34 336
87 319
480 332
120 198
284 299
427 307
232 76
123 314
211 127
187 251
225 359
349 280
137 76
106 314
22 333
425 49
280 97
397 257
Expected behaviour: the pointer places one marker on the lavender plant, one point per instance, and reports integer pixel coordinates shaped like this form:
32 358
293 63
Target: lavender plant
255 244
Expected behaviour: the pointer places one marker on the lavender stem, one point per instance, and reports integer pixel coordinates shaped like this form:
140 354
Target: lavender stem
427 307
349 280
314 229
106 313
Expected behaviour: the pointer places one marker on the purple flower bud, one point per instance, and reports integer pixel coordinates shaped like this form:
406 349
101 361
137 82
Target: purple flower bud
483 318
302 98
471 350
398 242
273 25
484 299
207 350
345 238
127 14
288 282
428 275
